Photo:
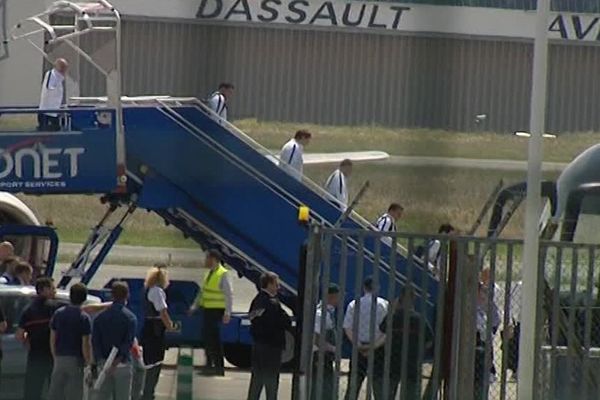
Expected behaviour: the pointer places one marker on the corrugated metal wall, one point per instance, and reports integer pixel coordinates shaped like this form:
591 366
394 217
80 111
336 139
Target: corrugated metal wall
587 6
346 78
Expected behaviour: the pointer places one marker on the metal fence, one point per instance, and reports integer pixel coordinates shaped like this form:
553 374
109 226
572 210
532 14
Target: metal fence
569 330
447 324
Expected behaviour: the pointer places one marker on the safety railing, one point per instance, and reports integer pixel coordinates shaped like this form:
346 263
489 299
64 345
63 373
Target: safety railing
171 112
145 101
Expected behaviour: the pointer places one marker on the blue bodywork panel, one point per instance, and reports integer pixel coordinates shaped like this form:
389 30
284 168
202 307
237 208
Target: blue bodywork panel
80 160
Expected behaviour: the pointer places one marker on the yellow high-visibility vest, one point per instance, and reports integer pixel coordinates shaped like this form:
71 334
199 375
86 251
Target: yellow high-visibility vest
211 295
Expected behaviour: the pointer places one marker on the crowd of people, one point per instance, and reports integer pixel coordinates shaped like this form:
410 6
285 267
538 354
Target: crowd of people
366 325
65 350
69 345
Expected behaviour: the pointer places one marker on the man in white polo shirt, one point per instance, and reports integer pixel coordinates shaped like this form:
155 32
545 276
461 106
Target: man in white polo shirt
291 157
387 222
363 340
52 95
336 184
219 99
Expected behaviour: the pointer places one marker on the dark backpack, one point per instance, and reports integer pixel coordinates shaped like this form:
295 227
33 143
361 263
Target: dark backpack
420 251
206 100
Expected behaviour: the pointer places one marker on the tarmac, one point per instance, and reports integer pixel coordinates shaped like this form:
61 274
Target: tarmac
233 386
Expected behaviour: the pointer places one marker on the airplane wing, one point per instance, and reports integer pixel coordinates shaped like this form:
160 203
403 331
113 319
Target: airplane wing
336 158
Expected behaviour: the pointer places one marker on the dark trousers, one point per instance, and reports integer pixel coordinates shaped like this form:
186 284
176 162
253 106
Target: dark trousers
37 375
150 382
326 391
153 342
480 373
48 123
408 391
211 329
266 365
360 369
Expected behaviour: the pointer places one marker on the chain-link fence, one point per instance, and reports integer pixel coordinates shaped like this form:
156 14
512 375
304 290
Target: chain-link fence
570 326
447 325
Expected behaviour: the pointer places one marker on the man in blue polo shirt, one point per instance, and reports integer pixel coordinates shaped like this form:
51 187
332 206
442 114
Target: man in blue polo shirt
115 327
34 332
71 347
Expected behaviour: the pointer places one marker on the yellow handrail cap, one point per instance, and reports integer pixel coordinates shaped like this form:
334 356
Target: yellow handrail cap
303 214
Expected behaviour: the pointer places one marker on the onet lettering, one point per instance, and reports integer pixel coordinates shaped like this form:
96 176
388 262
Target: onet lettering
46 163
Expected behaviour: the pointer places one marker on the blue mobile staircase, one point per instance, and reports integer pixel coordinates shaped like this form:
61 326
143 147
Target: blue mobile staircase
201 175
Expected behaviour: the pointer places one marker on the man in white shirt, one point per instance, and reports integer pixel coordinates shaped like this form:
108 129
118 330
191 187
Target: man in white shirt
52 95
291 156
219 99
364 340
434 248
336 183
387 222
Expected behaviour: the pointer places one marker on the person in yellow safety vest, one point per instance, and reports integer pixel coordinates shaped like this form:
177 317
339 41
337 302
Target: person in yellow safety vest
216 300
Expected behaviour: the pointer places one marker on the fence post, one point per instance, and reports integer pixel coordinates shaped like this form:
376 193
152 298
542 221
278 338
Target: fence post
464 326
298 311
527 342
313 255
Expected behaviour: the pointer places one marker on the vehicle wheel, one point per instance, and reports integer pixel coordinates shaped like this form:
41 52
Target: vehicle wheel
238 354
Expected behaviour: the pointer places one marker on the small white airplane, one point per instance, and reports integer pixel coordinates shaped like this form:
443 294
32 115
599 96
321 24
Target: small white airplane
336 158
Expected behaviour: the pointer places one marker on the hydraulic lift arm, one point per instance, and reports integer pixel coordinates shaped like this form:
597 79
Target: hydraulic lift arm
103 237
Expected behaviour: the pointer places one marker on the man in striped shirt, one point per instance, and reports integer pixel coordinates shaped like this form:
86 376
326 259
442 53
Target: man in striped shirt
336 183
218 100
387 222
290 158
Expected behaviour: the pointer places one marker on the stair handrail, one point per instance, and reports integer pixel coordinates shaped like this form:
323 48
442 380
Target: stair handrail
187 125
162 100
169 101
178 118
263 150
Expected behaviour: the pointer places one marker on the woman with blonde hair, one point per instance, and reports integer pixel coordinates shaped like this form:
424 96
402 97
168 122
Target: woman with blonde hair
156 322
